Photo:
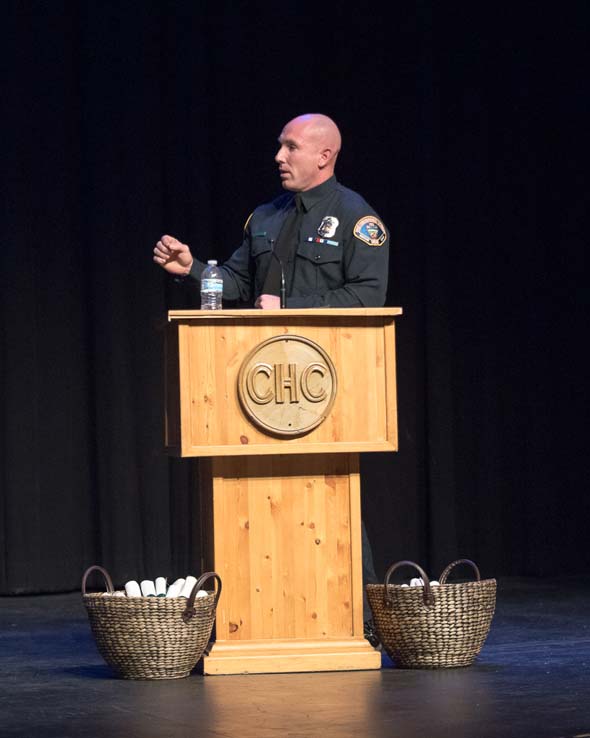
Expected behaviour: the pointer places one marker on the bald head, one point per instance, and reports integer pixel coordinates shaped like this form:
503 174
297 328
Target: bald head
321 128
309 147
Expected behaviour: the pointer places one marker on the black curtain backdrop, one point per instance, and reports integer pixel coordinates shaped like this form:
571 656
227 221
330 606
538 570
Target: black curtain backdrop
465 126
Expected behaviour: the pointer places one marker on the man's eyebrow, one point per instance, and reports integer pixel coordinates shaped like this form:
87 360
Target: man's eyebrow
288 141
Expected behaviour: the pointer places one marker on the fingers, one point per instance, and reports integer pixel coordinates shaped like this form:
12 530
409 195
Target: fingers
169 245
172 243
161 253
173 255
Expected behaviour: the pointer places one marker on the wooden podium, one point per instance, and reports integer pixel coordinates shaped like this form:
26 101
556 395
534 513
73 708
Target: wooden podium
279 404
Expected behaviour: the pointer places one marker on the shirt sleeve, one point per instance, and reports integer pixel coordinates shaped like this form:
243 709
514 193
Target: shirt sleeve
237 271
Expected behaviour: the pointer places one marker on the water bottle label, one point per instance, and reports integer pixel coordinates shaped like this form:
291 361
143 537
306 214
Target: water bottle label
211 285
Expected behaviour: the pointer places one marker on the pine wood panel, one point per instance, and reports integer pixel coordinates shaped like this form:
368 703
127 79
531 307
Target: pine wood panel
287 540
261 657
212 348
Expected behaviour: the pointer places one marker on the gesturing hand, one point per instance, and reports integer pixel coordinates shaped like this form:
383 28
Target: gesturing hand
173 255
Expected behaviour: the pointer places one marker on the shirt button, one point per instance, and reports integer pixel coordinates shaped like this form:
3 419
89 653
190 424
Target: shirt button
317 257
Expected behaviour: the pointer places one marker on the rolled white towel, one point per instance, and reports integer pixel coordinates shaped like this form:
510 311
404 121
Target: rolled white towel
189 584
132 589
161 586
417 582
202 593
147 588
175 588
434 583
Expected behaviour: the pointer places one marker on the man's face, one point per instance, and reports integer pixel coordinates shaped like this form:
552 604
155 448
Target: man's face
299 157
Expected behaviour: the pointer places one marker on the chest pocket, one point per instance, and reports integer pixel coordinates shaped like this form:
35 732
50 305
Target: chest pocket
260 245
320 267
320 253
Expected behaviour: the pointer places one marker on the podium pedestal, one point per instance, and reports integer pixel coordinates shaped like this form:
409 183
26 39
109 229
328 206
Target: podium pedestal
285 538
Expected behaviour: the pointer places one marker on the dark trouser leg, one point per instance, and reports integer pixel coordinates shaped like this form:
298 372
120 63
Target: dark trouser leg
369 576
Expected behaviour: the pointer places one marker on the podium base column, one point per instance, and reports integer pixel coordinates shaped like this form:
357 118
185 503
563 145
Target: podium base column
285 538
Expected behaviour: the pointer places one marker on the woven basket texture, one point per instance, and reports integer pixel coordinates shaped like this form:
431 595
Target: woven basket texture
436 627
152 637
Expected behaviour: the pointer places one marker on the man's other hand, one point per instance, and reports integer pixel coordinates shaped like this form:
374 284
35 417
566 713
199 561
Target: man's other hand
268 302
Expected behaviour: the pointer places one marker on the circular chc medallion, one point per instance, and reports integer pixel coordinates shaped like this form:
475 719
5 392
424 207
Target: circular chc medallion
287 385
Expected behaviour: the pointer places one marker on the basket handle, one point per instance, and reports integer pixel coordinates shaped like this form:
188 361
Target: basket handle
105 574
428 595
190 611
447 571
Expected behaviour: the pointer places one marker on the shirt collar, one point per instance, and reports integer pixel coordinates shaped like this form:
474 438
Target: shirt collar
309 198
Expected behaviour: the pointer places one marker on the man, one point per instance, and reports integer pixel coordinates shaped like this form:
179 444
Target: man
327 243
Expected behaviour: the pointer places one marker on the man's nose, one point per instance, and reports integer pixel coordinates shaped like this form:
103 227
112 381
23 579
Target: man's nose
279 156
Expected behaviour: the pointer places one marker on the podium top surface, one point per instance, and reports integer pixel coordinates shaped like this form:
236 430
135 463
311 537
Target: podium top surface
285 312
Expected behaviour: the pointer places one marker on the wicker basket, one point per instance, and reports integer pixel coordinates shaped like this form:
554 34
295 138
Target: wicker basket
151 637
433 627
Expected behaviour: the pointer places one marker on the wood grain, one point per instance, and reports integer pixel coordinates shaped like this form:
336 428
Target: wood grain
211 349
287 545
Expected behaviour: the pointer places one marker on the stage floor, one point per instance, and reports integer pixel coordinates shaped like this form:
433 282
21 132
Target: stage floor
532 680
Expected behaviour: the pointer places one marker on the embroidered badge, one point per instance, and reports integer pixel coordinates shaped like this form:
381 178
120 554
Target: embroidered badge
328 226
370 230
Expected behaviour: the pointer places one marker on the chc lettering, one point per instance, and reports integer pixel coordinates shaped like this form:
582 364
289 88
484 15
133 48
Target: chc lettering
268 382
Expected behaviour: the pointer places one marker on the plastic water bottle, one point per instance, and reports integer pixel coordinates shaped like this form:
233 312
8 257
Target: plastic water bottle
211 286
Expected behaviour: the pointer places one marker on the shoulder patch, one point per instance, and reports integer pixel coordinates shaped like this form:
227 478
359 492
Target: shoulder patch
370 230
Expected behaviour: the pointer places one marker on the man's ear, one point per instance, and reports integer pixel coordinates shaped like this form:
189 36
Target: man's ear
325 157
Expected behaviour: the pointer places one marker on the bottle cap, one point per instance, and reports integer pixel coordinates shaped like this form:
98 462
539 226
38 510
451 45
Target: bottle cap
212 262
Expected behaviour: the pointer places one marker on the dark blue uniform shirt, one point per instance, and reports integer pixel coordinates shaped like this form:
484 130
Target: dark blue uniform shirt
340 258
